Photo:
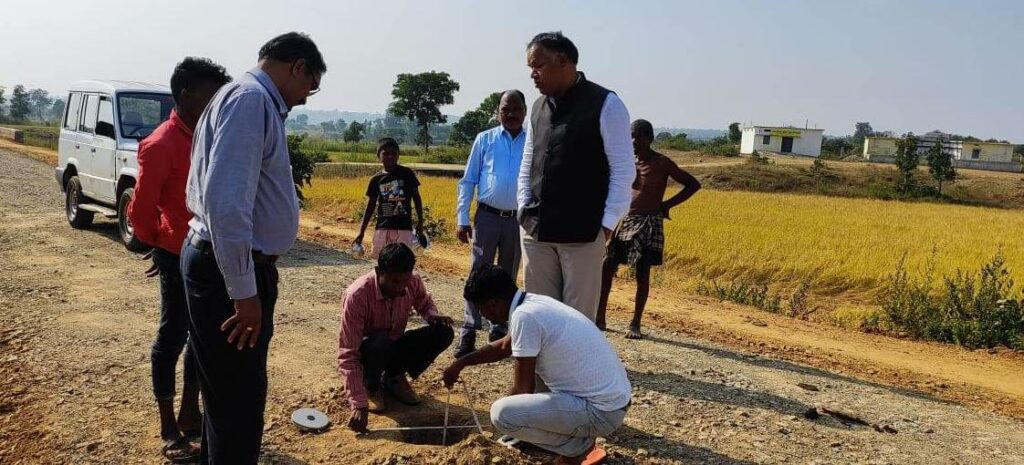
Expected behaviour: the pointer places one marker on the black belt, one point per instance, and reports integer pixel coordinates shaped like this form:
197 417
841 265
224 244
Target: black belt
205 246
501 213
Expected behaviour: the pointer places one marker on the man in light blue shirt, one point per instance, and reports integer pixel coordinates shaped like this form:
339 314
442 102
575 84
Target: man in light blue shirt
245 214
492 172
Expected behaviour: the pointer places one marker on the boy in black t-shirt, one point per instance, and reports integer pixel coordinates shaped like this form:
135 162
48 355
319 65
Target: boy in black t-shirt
392 192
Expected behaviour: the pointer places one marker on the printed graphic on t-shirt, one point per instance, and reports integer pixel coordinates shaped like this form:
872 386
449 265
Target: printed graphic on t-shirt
393 199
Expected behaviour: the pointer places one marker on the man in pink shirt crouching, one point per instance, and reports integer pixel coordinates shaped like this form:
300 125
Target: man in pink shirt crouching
375 352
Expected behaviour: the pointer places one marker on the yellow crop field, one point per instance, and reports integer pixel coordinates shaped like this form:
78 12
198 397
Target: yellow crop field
843 247
343 196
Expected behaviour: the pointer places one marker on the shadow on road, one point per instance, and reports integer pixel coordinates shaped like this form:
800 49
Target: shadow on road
775 364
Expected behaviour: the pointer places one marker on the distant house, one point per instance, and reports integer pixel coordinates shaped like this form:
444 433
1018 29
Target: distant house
993 156
797 141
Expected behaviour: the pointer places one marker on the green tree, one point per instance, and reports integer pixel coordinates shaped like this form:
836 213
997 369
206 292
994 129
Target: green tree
354 133
485 116
735 135
861 131
377 128
489 107
674 142
21 107
418 96
303 164
940 164
906 162
328 126
3 100
464 130
57 110
836 147
42 103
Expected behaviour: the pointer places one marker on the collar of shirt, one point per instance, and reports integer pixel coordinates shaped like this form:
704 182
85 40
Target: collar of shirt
179 124
380 295
522 133
268 84
553 101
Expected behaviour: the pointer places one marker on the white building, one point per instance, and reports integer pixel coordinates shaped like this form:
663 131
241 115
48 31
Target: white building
795 141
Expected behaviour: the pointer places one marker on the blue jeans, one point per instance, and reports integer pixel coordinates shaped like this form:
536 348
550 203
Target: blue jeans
172 331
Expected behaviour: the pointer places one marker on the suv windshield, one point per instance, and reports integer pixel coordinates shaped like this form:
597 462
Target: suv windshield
140 114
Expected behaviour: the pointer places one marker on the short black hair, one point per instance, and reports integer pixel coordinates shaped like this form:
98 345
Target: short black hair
294 46
644 127
517 93
396 258
556 42
386 143
488 282
195 72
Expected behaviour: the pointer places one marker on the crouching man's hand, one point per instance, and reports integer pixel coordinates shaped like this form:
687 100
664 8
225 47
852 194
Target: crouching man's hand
451 374
440 320
357 422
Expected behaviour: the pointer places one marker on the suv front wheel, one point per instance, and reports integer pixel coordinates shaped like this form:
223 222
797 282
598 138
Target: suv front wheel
73 197
124 225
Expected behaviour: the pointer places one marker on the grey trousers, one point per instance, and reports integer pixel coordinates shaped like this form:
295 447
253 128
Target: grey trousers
561 423
570 273
493 235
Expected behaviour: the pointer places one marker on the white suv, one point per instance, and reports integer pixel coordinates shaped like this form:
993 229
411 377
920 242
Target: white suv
99 140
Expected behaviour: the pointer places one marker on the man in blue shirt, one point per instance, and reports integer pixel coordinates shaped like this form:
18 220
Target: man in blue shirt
245 214
492 171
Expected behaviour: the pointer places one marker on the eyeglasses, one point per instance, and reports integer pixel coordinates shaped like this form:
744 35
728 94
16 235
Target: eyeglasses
316 85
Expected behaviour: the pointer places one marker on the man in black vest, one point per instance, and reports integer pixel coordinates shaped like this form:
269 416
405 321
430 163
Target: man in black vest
575 181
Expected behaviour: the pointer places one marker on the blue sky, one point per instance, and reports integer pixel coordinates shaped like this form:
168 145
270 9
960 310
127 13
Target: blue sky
902 65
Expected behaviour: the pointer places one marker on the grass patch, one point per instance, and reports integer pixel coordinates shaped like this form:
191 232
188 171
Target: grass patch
869 181
45 137
366 151
976 309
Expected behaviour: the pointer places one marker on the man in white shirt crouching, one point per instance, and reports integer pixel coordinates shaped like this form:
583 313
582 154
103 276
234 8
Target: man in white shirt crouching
589 391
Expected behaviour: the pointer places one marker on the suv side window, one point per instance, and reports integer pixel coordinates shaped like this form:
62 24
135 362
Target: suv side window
105 118
74 111
92 104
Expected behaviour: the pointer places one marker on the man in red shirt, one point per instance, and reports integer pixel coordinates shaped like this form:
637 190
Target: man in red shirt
374 349
160 218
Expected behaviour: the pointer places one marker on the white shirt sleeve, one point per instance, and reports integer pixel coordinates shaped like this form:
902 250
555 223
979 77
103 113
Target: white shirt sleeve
526 334
618 146
524 194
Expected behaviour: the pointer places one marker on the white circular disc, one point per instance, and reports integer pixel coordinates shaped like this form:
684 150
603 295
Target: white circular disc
310 419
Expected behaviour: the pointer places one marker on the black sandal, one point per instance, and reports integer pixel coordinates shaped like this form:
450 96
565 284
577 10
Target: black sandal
180 450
